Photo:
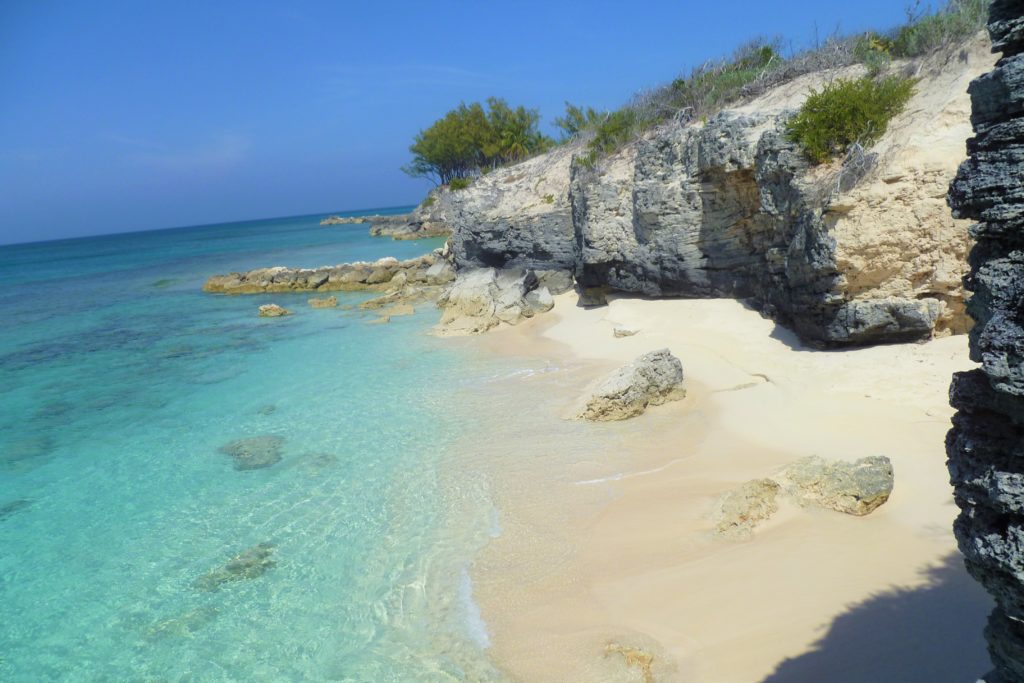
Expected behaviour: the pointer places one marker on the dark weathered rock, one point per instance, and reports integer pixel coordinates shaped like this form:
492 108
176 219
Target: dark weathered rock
986 444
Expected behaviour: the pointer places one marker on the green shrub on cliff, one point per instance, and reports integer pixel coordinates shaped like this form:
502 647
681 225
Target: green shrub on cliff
459 183
845 112
958 20
472 139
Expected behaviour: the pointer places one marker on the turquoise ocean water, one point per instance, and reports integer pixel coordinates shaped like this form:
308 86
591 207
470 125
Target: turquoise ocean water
119 382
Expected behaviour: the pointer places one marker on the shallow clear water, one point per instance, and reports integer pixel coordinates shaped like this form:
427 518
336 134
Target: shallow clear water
119 382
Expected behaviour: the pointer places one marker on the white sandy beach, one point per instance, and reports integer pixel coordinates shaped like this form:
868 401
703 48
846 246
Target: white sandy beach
605 535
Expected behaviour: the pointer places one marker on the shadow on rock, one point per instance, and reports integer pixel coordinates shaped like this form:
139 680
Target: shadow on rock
932 633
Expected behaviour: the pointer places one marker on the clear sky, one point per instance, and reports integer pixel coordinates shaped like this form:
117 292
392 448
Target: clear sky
118 116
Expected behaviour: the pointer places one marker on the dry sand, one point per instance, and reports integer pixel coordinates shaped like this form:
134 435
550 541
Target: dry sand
605 568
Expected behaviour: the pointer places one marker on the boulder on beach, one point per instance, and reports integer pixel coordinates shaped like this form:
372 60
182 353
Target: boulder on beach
255 452
855 488
483 298
653 378
249 564
328 302
740 510
273 311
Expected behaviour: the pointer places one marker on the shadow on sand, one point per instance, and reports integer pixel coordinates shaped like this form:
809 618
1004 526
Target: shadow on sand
929 634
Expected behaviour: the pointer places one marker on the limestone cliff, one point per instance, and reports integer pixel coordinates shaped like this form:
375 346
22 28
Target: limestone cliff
986 444
858 252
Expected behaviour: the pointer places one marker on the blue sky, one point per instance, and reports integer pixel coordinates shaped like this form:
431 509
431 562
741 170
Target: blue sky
119 116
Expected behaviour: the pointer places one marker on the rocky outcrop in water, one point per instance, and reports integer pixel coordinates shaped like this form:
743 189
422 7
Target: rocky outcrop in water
652 379
427 220
273 311
326 302
380 275
858 252
986 443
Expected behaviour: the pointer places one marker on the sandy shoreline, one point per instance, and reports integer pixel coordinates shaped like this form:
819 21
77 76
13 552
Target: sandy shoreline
605 531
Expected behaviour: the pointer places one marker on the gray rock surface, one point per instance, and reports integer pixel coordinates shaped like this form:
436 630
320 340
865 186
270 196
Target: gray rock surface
986 444
854 488
730 208
653 378
740 510
483 298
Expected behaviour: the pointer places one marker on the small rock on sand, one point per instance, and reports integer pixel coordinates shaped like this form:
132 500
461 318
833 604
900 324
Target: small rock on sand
740 510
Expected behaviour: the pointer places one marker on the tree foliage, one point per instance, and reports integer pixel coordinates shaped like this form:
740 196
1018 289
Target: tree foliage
577 120
473 139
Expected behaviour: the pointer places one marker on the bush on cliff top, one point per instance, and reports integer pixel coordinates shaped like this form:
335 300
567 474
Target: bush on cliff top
846 112
470 140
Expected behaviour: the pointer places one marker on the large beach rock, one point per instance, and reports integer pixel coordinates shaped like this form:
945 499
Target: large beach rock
855 488
254 453
483 298
740 510
651 379
249 564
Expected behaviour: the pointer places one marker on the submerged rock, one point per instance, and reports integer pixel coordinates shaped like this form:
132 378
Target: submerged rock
273 311
483 298
267 409
651 379
13 506
855 488
740 510
329 302
249 564
254 453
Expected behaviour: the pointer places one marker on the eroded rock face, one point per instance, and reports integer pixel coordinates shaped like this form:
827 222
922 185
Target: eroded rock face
854 488
483 298
652 379
740 510
845 254
986 444
254 453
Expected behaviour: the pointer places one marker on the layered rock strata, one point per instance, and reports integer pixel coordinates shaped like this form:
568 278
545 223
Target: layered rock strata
986 443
